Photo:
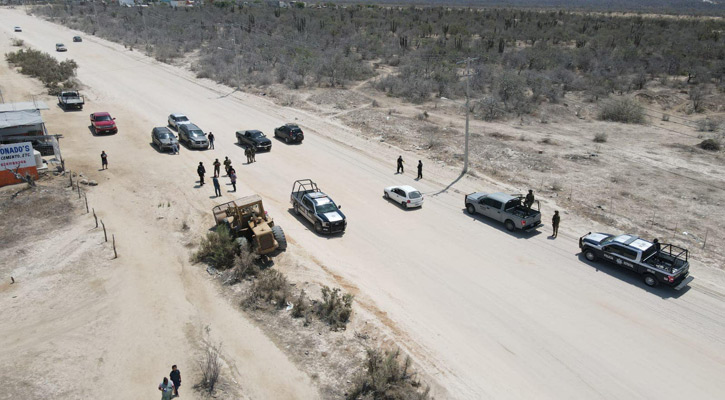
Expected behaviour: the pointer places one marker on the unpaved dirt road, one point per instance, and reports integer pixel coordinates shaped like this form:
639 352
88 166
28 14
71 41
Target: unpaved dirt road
486 313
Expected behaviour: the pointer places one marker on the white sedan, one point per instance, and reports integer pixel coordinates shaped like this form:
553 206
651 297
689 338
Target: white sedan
406 196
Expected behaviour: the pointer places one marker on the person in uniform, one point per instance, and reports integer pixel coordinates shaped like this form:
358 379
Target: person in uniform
529 201
248 153
420 170
211 140
555 223
253 152
227 163
400 165
201 171
217 166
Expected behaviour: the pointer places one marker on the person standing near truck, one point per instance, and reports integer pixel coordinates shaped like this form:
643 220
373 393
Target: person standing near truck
253 152
211 140
555 223
529 201
201 171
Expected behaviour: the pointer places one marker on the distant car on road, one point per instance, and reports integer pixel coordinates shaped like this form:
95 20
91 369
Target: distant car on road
163 138
60 47
176 119
289 133
77 39
193 136
406 196
102 122
18 29
254 138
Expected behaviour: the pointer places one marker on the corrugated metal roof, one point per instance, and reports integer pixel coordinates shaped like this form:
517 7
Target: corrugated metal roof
23 106
20 118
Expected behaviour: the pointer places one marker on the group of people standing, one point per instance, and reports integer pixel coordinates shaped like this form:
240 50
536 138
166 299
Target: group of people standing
401 169
231 174
555 219
251 153
169 387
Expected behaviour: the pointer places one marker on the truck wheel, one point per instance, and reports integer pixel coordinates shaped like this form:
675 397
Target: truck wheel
471 209
510 225
589 255
318 227
279 237
650 280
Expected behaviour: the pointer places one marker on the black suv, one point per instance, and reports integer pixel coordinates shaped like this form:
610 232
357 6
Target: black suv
290 133
254 138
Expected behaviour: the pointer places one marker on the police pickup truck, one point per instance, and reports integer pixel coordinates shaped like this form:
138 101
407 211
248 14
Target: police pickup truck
657 263
317 207
504 208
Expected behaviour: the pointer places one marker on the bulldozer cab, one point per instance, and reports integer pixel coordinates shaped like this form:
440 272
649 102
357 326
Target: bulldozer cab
247 218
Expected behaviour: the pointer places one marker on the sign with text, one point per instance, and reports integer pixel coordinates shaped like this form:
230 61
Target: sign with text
16 155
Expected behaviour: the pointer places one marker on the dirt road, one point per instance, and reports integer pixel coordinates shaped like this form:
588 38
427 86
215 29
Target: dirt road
486 313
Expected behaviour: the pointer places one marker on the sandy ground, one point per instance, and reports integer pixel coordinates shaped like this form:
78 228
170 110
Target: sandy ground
486 314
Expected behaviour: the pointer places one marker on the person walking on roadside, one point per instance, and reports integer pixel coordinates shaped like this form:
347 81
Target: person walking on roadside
201 171
253 151
217 165
400 165
233 178
217 188
248 154
529 200
227 163
211 140
166 387
104 160
420 170
175 376
555 223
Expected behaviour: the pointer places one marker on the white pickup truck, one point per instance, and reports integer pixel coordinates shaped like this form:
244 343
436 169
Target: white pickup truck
504 208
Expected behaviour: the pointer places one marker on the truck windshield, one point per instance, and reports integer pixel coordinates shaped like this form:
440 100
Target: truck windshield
326 208
256 135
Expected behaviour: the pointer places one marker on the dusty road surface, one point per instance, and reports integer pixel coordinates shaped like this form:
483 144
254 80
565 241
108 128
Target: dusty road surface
485 313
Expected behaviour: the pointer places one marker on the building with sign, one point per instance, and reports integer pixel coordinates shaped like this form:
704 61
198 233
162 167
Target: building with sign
17 159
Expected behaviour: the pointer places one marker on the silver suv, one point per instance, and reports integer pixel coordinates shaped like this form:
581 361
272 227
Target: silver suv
193 137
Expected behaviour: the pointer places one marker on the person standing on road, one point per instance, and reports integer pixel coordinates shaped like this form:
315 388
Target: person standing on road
217 165
233 178
166 387
201 171
248 154
253 150
555 223
211 140
400 165
104 160
175 376
217 188
227 163
529 201
420 170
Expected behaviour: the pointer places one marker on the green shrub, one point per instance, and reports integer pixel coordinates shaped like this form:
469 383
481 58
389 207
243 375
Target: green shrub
710 145
217 249
300 305
271 286
600 137
335 309
625 110
386 377
54 75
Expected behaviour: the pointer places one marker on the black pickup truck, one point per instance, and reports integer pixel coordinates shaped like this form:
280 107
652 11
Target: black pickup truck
254 138
657 263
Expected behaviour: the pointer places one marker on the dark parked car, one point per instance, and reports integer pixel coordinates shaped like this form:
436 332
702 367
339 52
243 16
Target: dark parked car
193 136
254 138
289 133
77 39
163 138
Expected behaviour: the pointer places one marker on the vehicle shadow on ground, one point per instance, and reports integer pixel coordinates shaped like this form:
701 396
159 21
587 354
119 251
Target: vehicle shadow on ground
279 139
400 206
308 226
167 152
69 109
633 278
518 234
445 189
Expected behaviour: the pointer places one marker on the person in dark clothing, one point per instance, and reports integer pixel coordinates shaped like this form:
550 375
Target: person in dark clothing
211 140
400 165
656 242
420 170
227 164
217 165
104 160
217 188
555 223
175 376
529 201
201 171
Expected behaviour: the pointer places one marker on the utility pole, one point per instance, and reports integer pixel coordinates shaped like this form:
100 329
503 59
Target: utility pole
468 78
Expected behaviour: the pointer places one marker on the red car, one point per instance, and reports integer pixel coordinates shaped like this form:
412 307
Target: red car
102 122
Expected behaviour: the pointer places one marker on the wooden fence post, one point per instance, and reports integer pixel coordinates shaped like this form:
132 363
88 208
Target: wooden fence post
95 217
115 255
86 198
105 236
70 176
